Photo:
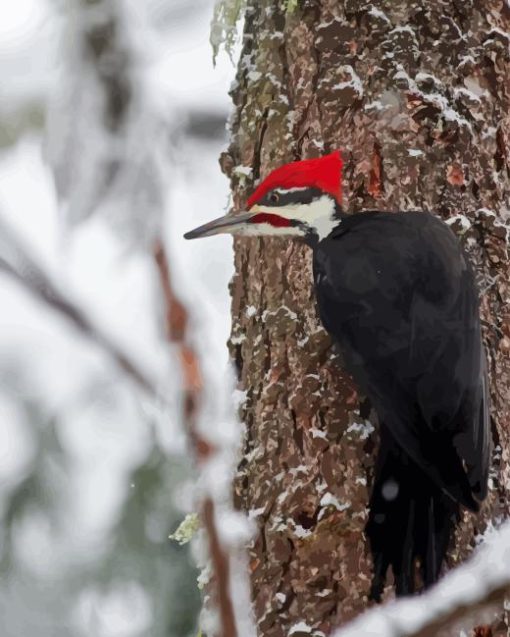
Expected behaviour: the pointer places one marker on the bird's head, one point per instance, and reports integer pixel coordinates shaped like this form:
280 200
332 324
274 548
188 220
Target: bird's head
302 198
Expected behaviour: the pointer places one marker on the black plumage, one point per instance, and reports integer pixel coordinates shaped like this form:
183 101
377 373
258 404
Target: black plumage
397 294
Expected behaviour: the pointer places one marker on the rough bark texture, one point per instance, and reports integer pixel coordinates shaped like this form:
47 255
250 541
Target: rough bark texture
417 96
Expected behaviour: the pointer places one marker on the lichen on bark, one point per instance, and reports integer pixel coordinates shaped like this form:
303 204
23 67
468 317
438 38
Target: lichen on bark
416 96
226 16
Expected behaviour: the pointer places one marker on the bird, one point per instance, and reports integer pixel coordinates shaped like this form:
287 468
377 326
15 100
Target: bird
398 296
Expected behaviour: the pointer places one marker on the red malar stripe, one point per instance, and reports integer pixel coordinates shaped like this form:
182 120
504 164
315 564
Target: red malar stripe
273 220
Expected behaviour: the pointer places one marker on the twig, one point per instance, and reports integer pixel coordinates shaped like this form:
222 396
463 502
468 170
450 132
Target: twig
17 263
178 334
24 269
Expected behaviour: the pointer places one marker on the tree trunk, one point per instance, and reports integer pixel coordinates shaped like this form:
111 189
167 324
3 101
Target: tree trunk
416 95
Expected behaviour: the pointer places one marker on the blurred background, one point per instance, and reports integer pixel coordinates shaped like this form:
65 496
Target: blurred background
112 119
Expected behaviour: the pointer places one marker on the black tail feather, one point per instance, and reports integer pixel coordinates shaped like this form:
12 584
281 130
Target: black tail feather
411 519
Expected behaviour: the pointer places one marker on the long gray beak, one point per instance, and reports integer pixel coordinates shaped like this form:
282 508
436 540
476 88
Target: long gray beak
228 224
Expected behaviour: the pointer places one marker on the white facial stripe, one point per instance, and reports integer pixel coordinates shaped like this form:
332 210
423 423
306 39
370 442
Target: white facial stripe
319 215
285 191
259 229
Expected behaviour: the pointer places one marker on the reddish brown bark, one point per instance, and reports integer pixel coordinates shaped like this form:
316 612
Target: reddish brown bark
416 94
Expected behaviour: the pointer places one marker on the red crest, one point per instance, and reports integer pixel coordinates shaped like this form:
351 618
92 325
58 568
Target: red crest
324 173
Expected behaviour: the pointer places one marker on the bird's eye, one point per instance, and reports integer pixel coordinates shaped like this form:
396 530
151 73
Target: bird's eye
274 197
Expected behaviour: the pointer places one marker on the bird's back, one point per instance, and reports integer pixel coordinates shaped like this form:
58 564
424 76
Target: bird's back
397 293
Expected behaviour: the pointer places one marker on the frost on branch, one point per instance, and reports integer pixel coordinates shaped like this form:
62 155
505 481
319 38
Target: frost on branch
213 437
227 14
106 139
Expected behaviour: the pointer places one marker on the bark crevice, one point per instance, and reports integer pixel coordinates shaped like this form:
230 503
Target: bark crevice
415 95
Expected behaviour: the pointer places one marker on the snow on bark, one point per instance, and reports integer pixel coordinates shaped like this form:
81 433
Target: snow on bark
479 584
413 93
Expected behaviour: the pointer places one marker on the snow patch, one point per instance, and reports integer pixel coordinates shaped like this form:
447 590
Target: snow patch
253 514
465 223
239 397
300 532
328 499
436 99
294 471
290 313
377 13
375 105
364 429
300 627
404 29
422 76
464 92
354 83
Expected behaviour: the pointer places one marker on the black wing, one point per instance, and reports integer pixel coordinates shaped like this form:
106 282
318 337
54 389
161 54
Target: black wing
398 294
452 387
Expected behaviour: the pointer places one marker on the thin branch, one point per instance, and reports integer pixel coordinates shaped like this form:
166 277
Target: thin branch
177 325
17 263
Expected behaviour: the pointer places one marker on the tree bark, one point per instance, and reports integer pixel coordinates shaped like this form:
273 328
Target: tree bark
416 95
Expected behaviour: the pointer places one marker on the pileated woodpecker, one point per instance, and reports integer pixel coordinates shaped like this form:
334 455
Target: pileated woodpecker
396 292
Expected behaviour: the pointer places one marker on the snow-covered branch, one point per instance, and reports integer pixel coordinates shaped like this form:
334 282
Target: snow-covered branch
462 596
107 134
226 15
109 158
17 263
203 449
